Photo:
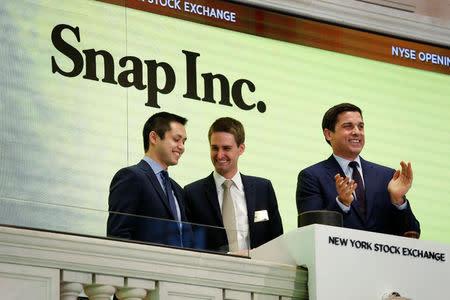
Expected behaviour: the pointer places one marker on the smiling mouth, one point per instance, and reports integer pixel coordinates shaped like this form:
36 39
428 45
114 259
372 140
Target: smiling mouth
355 141
221 161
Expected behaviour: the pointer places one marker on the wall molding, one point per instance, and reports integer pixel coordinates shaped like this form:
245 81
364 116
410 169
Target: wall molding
366 16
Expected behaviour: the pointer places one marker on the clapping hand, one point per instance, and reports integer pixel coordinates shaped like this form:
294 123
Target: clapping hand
345 188
400 183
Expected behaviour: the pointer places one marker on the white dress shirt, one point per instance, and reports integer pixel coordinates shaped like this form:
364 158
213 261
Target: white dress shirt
240 206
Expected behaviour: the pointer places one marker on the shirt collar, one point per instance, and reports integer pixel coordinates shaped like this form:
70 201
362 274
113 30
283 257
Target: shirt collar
344 162
153 164
237 180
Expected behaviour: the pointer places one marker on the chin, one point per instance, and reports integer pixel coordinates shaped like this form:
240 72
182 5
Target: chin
221 171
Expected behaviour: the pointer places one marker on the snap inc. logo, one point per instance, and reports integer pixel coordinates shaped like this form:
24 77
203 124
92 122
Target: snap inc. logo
160 77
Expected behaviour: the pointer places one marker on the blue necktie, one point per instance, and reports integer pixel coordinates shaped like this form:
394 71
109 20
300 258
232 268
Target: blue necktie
169 193
360 193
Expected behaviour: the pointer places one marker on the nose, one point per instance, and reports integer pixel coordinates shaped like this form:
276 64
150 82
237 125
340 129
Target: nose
220 153
181 146
355 130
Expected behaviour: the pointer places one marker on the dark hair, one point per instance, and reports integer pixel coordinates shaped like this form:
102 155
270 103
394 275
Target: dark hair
229 125
159 123
330 118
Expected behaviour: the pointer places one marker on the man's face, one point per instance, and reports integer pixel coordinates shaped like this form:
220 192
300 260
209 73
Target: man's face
347 140
225 153
169 150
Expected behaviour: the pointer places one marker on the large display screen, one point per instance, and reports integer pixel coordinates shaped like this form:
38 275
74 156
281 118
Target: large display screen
79 79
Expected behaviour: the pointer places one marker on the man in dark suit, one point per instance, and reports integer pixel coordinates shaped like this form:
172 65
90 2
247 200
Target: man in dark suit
370 196
144 203
245 205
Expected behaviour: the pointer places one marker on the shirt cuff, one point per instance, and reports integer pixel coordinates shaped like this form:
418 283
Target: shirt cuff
344 208
403 206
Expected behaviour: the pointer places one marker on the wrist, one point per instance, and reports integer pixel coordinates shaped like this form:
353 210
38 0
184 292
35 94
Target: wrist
345 202
398 200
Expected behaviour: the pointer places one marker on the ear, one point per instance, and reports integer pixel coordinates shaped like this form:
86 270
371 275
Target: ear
153 137
241 148
328 134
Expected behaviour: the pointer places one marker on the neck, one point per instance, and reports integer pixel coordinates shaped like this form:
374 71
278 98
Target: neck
347 157
155 158
228 175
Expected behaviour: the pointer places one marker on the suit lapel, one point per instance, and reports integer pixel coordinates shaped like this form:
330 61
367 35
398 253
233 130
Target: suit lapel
250 198
156 185
211 196
333 168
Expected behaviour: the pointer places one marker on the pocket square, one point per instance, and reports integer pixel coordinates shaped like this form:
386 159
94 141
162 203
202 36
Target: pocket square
261 215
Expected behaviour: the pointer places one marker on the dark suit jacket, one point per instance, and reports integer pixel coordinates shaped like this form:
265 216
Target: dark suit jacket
202 206
136 194
316 190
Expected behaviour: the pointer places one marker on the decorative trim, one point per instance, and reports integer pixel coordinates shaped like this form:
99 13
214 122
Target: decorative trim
125 259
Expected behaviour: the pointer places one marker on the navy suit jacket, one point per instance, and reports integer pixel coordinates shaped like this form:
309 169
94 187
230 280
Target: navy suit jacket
136 194
316 190
202 207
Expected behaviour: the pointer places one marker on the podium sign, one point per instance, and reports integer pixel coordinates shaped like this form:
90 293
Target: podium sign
354 264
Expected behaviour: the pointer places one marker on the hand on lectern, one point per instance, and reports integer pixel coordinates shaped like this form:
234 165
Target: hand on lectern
240 252
412 234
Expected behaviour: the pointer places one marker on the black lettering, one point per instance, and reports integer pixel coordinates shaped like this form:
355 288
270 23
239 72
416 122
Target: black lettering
343 241
419 253
333 240
438 256
405 251
68 50
377 248
236 92
209 88
432 255
91 65
136 71
191 75
411 252
152 81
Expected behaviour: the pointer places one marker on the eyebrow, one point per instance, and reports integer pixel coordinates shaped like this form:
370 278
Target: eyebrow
351 123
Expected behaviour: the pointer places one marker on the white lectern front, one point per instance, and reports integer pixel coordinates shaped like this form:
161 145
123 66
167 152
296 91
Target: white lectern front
354 265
